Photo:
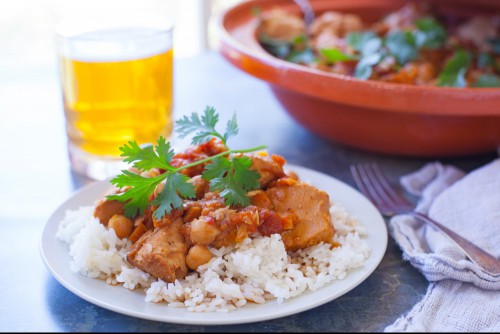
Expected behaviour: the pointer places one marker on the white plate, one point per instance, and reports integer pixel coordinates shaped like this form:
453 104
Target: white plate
55 255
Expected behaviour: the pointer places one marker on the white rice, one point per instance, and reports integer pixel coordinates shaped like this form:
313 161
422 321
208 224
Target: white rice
255 270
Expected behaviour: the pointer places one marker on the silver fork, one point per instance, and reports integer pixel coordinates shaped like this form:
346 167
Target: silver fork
376 187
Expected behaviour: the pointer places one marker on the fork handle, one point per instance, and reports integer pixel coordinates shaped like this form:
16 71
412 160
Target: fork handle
480 257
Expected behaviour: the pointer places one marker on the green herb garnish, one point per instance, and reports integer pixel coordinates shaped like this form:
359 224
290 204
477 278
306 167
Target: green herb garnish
369 45
495 44
487 80
402 45
364 68
364 42
453 73
429 33
228 174
485 60
305 56
334 55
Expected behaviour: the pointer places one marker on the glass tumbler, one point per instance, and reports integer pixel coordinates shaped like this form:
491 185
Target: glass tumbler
116 76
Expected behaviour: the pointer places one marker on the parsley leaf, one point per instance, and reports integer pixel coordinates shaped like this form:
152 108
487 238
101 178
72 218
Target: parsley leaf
334 55
247 178
204 129
364 42
453 73
364 68
230 176
217 168
369 45
402 45
168 198
232 193
137 197
231 128
144 157
429 33
487 80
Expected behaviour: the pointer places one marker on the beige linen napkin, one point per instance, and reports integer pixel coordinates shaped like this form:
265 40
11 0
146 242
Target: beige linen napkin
460 296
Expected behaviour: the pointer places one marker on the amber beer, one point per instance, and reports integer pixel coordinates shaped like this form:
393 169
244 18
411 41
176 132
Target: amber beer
108 103
117 87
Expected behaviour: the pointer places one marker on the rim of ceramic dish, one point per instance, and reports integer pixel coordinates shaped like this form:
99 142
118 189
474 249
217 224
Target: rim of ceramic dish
430 100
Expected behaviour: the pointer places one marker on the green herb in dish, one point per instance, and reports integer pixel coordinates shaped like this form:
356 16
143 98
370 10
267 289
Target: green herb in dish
453 73
487 80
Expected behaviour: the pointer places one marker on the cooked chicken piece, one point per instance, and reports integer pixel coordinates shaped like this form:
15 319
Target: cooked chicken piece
417 73
269 168
104 208
278 24
210 202
260 199
478 30
161 252
404 18
167 218
311 207
191 213
329 40
139 230
336 23
291 174
225 226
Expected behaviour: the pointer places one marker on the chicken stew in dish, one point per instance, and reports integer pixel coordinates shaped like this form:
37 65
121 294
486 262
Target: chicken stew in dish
413 45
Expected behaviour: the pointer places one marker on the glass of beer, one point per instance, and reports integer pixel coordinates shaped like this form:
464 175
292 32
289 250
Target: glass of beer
116 76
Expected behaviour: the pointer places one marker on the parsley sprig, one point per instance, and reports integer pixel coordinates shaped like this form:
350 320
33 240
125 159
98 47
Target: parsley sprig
227 172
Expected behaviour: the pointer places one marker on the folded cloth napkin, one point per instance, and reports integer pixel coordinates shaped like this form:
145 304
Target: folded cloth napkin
460 296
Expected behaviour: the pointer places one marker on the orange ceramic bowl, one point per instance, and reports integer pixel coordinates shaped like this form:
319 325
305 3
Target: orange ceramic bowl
373 115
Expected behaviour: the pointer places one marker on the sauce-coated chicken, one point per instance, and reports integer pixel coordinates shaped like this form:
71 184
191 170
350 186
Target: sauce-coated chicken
181 240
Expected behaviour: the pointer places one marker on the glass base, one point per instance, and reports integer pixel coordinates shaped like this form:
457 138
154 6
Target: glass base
94 167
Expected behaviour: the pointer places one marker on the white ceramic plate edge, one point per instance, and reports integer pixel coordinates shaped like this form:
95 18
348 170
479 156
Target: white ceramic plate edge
56 258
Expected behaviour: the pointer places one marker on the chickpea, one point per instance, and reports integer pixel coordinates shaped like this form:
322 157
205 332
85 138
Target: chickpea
122 225
158 189
203 231
153 172
198 255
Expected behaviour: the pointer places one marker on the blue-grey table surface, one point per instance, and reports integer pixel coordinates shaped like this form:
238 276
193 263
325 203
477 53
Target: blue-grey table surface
35 179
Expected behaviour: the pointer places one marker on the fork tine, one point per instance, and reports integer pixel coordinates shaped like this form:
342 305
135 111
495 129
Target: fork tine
365 185
361 185
386 190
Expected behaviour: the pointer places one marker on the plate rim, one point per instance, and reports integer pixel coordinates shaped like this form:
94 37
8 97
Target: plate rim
194 318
